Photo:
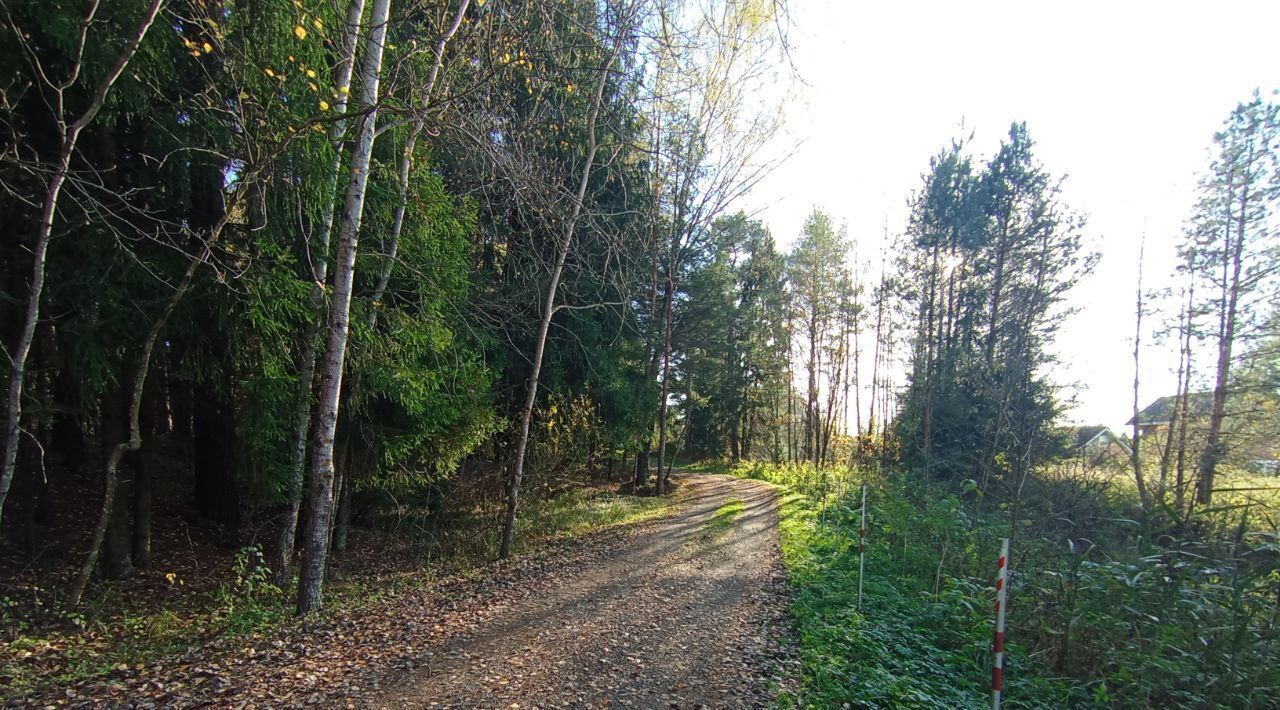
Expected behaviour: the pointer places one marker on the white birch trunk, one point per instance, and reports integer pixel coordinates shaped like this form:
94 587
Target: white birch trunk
319 273
320 493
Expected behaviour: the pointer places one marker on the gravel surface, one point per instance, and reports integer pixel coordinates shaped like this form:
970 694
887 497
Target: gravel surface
670 617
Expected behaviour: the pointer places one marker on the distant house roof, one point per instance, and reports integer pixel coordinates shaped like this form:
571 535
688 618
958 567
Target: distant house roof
1161 411
1082 435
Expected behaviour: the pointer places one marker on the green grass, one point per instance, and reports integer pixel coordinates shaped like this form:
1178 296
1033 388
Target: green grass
719 523
709 466
1128 624
906 648
585 511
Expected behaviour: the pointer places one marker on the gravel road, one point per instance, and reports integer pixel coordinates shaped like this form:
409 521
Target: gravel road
675 616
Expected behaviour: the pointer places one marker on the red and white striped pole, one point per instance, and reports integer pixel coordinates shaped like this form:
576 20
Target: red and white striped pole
1002 601
862 545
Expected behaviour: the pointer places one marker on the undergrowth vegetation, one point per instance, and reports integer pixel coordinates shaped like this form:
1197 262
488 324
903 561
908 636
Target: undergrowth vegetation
1098 617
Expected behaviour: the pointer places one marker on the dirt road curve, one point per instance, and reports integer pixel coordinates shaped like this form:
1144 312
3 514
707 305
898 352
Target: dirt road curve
674 617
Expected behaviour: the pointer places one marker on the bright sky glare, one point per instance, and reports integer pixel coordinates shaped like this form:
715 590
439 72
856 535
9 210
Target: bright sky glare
1122 97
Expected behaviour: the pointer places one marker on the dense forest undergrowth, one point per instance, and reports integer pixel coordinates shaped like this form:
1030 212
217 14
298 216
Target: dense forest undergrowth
1100 614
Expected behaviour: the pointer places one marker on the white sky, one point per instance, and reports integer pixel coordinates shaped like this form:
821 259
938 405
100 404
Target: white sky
1122 97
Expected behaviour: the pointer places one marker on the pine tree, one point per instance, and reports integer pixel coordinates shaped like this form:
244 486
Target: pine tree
1231 245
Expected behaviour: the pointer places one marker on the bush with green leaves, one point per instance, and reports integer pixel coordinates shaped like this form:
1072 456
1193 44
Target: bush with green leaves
250 600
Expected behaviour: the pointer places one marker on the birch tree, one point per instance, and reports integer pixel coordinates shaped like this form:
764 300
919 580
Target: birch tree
1144 495
319 268
709 138
321 491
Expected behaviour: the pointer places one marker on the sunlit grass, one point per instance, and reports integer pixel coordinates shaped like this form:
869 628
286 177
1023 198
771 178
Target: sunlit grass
720 522
584 511
1236 492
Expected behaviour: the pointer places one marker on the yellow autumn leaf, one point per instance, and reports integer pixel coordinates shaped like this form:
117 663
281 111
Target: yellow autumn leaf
300 32
318 24
313 86
311 73
324 105
269 72
208 47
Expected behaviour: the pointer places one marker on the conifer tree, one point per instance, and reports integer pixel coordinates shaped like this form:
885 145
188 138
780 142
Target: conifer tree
1231 245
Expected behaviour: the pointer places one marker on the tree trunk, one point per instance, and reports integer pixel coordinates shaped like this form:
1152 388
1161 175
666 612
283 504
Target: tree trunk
1184 391
930 308
791 424
549 308
406 166
735 454
879 348
30 500
1214 447
663 406
282 555
116 560
342 527
642 468
143 464
854 375
141 541
1144 496
320 493
811 394
997 288
134 440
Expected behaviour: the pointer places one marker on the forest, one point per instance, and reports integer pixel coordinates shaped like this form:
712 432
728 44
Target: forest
318 312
